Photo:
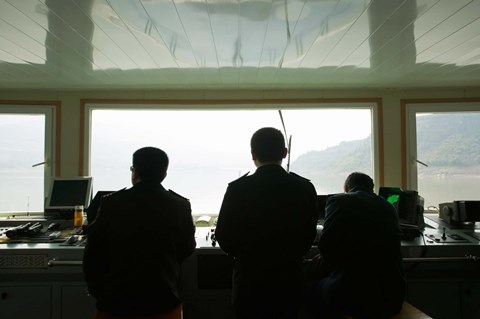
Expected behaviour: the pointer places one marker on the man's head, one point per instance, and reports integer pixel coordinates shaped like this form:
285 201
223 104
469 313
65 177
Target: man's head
149 164
358 181
268 146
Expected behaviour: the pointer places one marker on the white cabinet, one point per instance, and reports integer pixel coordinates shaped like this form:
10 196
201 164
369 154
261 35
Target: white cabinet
25 302
55 300
76 303
470 294
446 299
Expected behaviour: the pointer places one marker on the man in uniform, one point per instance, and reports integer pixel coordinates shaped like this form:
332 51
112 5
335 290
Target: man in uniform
267 222
137 243
360 255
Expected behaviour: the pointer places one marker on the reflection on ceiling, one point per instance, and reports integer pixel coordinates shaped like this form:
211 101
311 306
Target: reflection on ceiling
111 44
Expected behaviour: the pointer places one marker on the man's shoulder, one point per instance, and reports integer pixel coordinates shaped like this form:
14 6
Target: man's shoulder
115 199
337 197
302 181
177 196
242 179
178 200
115 195
353 198
299 177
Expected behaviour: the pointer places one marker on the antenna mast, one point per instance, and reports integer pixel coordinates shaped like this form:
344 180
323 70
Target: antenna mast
289 141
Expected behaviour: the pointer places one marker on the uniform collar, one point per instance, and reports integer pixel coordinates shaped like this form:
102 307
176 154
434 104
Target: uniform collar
148 184
360 189
270 167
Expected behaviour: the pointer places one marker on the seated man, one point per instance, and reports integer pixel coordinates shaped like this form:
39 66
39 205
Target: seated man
360 255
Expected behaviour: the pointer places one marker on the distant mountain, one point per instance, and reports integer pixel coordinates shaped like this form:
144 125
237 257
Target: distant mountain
449 140
340 159
443 140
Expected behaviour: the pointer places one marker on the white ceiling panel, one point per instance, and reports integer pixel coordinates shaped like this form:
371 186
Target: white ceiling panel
198 44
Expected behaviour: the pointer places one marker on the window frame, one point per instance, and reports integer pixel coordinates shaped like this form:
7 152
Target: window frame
410 108
374 104
52 112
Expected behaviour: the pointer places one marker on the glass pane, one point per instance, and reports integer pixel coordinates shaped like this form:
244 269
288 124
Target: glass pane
448 147
22 145
208 149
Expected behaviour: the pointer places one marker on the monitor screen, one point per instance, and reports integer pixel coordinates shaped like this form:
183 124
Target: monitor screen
391 194
408 203
67 192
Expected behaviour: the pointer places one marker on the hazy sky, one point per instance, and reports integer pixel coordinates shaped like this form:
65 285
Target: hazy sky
208 149
212 135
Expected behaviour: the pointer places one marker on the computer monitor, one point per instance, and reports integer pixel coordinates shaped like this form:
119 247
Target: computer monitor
391 194
408 203
65 193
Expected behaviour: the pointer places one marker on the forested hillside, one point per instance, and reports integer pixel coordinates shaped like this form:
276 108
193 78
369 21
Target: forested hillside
444 141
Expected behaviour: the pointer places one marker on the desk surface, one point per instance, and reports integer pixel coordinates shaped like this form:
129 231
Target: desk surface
436 234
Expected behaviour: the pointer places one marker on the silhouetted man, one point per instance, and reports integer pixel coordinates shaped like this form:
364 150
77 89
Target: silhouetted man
137 243
267 222
360 255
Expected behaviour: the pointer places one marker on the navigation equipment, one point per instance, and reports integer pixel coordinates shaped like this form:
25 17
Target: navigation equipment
460 212
65 193
408 203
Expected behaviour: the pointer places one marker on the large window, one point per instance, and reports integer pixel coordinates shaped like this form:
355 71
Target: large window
444 151
210 148
25 157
